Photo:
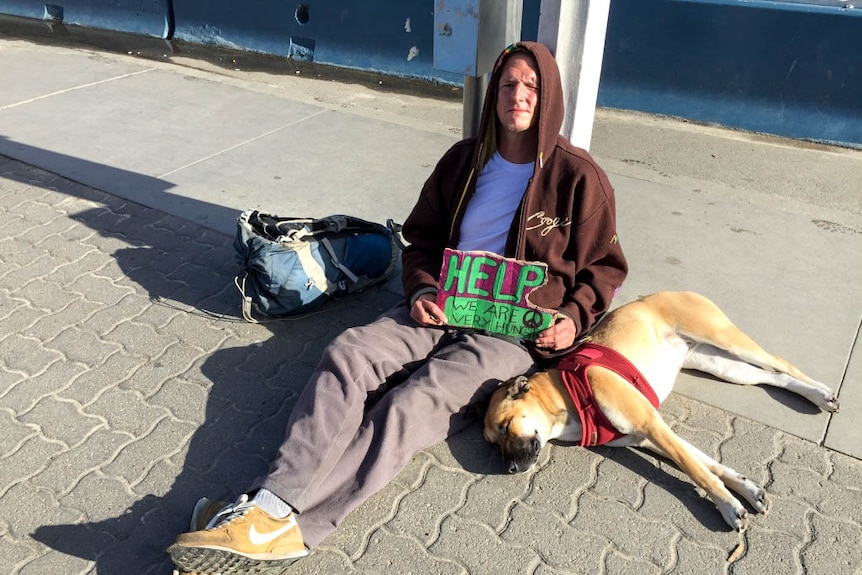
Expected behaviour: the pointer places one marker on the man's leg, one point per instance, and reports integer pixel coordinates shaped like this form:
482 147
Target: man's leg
327 414
429 406
332 407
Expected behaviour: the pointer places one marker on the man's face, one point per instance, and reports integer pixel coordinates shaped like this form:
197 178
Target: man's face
518 93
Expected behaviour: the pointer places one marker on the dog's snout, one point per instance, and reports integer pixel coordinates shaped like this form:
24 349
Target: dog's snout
519 466
521 454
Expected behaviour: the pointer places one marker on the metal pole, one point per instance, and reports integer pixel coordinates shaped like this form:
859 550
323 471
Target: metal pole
574 31
472 99
499 26
469 35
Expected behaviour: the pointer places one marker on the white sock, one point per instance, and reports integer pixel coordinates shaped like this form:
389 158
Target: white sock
272 503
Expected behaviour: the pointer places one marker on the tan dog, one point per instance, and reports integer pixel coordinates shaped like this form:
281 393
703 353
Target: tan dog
659 334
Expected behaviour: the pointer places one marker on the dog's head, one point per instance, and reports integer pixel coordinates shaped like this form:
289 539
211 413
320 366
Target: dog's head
517 422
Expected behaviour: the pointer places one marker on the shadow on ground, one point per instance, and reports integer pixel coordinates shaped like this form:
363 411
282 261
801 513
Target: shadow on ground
248 384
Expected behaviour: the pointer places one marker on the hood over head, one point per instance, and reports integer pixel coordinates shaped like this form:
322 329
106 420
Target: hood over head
551 106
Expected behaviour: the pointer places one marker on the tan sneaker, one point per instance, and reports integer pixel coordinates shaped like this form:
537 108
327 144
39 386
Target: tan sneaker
243 536
205 511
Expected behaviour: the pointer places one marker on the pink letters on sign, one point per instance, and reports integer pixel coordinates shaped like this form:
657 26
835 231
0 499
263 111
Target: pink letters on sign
483 290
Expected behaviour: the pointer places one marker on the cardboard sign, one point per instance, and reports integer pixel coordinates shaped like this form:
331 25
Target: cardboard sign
486 291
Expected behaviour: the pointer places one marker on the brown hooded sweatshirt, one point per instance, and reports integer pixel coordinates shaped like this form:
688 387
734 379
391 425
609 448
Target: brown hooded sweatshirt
566 218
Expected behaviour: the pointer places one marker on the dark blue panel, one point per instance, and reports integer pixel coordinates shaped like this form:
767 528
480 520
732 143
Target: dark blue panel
23 8
146 17
776 67
394 37
530 20
783 72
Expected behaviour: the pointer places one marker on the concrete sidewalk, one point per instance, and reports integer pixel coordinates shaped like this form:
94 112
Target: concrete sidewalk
129 385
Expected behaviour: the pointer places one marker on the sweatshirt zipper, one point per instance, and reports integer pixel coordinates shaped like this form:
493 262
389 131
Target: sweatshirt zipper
464 191
520 251
460 203
523 222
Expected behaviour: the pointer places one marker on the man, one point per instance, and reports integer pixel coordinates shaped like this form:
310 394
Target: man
519 190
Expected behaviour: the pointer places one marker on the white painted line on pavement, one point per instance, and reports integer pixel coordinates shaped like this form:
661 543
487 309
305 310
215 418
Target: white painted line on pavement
243 143
58 92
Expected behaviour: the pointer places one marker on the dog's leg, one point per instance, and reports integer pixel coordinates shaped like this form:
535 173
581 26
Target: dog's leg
724 365
631 413
698 319
748 489
680 452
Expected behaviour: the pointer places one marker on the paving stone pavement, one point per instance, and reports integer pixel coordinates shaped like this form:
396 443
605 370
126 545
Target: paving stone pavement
129 387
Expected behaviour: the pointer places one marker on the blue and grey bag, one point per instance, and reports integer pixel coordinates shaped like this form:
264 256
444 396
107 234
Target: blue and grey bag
292 265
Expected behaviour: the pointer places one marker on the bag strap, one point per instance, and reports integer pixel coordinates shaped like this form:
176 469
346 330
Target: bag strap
335 261
246 300
395 231
290 229
248 308
343 224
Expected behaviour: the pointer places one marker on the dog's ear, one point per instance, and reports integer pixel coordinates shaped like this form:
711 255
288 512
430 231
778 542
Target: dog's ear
519 387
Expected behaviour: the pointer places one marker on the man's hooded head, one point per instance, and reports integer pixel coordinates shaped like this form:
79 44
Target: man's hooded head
546 117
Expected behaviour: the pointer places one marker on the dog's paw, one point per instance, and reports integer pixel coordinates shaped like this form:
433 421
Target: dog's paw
740 522
760 501
735 515
831 404
753 493
824 398
827 401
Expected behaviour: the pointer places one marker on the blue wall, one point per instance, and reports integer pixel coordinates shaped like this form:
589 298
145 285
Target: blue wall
773 67
393 36
146 17
795 73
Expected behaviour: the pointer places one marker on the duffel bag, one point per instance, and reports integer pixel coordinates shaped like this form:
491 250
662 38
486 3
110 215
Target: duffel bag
290 266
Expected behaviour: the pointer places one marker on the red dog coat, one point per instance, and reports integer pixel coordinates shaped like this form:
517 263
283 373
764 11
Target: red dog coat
597 430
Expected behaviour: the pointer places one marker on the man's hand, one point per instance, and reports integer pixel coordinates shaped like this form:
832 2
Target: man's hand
559 336
426 312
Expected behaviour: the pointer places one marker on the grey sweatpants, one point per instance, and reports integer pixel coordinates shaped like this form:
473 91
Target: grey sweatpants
349 434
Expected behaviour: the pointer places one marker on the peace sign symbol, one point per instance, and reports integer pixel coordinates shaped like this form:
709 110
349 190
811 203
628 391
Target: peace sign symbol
532 319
